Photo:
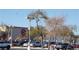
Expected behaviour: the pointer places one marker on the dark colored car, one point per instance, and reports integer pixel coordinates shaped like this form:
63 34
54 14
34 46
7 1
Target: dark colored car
19 42
15 42
37 44
58 45
45 44
67 46
52 42
5 44
63 46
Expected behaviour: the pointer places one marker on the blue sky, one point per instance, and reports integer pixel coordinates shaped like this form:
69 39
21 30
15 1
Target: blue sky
16 17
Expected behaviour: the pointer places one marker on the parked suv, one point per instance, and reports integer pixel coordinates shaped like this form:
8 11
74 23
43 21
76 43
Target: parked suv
5 44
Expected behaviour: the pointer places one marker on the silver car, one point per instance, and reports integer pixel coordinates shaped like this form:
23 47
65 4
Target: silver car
5 44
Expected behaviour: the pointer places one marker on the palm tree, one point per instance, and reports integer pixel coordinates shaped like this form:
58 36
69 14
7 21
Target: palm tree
40 14
37 15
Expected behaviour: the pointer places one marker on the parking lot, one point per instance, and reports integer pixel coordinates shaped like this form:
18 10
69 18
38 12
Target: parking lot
23 45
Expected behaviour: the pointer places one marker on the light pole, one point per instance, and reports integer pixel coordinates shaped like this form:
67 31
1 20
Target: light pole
30 17
11 29
29 35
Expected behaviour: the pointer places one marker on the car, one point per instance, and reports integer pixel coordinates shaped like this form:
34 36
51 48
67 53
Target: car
45 44
37 44
52 45
19 42
24 40
52 42
58 46
5 44
15 42
25 45
31 44
76 45
66 46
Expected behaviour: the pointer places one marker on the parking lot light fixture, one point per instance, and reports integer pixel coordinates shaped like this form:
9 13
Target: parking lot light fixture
29 35
11 28
30 18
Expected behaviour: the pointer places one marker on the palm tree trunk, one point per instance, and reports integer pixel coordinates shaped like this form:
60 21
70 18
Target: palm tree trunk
42 41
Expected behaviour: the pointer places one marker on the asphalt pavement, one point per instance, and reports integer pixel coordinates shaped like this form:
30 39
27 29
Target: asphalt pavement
26 48
18 48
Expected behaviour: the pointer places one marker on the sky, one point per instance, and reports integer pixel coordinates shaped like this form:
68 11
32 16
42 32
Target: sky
17 17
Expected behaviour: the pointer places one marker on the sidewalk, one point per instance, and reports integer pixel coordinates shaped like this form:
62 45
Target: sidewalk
38 48
25 48
18 48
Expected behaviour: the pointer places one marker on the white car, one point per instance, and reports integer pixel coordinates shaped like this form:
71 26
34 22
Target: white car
25 44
